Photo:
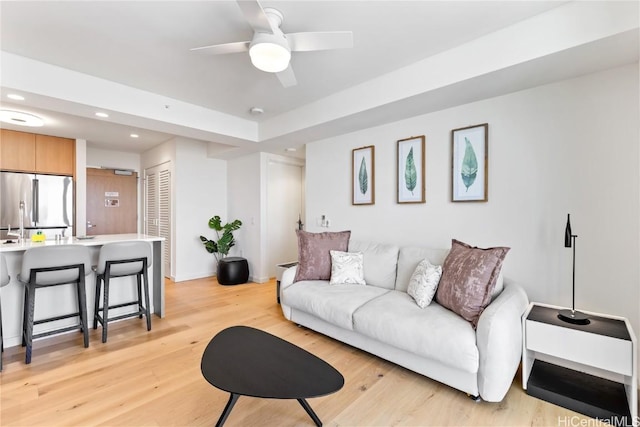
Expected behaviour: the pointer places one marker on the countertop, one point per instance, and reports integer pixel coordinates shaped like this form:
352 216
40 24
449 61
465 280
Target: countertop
96 241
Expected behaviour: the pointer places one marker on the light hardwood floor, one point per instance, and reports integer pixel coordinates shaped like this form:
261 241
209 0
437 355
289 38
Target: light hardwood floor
141 378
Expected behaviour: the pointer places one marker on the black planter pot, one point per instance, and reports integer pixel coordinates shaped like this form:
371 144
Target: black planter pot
232 271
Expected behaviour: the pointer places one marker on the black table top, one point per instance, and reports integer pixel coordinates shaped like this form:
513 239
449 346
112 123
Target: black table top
598 325
251 362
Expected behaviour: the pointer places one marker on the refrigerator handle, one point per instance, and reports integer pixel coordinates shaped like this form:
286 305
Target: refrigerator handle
36 197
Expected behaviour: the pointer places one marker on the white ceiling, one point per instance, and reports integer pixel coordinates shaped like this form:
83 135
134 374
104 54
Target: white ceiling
144 45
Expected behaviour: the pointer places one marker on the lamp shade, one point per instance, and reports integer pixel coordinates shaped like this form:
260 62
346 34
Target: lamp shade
567 233
269 52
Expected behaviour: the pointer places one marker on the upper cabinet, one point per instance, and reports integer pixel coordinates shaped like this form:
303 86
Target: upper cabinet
28 152
17 151
55 155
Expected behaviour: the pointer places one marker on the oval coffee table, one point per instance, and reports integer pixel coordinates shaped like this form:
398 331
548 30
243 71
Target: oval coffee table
249 362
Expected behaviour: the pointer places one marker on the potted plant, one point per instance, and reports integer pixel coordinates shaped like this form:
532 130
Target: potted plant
224 237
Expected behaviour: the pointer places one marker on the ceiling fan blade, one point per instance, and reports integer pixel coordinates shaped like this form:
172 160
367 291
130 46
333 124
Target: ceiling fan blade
254 14
320 40
287 77
220 49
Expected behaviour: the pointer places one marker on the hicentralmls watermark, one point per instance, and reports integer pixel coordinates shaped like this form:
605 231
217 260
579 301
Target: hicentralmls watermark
576 421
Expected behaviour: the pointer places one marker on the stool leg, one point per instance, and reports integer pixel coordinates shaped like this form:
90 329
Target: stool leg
31 290
140 307
96 305
82 308
146 298
25 306
78 298
105 306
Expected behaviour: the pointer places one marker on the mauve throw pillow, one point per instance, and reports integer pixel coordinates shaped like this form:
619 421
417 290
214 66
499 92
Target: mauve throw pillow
314 260
469 275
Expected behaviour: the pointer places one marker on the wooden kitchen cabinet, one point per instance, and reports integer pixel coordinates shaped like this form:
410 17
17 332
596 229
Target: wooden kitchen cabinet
55 155
17 151
28 152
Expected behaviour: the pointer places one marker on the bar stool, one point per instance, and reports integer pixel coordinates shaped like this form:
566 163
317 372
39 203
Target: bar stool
122 259
49 266
4 281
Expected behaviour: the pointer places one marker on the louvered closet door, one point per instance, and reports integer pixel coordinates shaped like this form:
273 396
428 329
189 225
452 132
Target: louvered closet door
164 208
151 208
158 208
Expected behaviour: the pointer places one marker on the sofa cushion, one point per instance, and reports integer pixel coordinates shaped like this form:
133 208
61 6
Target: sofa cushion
314 261
432 332
424 283
380 263
346 268
469 275
410 257
332 303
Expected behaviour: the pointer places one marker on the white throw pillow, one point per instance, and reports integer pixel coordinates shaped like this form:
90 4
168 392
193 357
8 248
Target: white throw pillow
424 282
347 268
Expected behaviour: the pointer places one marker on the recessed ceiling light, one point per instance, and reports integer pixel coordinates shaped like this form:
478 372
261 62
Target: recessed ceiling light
104 115
21 119
291 149
134 135
15 96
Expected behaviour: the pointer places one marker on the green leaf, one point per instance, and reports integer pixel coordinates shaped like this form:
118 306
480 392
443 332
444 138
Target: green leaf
215 223
232 226
410 173
209 245
469 169
363 178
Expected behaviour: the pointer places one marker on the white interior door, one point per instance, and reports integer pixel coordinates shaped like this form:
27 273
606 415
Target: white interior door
284 206
157 221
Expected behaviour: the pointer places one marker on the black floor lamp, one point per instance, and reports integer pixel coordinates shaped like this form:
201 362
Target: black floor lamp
572 316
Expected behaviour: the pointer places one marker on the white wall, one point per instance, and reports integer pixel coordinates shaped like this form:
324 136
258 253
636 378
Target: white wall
568 147
112 159
200 192
245 197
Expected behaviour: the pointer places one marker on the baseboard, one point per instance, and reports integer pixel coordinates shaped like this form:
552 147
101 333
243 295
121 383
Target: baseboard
201 275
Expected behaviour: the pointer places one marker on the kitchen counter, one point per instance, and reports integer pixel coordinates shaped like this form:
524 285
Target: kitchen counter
52 301
91 241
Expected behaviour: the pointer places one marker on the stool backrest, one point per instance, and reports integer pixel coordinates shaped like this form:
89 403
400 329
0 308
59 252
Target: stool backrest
55 256
123 251
4 272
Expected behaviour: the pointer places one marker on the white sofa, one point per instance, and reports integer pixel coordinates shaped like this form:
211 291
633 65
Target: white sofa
382 319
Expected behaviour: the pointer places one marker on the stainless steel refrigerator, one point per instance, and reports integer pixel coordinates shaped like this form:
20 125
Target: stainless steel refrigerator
47 199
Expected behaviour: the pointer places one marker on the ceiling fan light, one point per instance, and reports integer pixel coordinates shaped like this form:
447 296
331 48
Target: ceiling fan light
269 57
20 118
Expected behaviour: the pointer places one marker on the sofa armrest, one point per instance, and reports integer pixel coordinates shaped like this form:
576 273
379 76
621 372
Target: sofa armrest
499 340
287 280
287 277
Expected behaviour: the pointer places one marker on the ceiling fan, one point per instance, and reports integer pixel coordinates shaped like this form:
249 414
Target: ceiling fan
270 49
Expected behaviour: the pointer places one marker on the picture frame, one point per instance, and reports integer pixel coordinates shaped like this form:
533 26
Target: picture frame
411 170
363 177
470 163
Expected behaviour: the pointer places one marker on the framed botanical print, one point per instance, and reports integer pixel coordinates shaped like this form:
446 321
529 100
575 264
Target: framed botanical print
470 164
363 176
411 169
